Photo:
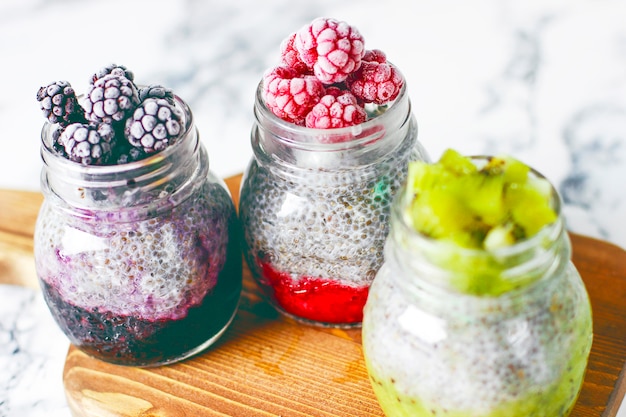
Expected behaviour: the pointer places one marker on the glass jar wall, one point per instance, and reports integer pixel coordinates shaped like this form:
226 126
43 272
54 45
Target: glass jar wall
140 262
315 205
434 345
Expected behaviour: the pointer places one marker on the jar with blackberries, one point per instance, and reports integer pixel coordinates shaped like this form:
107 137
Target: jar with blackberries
137 241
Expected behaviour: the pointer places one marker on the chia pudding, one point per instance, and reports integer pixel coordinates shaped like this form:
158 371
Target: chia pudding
137 252
145 291
315 200
316 242
460 363
435 346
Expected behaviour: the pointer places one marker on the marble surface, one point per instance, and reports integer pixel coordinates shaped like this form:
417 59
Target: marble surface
542 80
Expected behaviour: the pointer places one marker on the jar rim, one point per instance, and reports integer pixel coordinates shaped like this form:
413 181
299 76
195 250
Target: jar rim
443 264
522 245
49 154
313 139
116 190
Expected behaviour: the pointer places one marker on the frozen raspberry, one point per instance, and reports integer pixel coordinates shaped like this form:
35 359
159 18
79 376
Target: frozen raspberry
155 125
156 91
375 55
377 81
290 57
89 144
336 112
290 95
111 99
113 69
333 49
335 90
59 103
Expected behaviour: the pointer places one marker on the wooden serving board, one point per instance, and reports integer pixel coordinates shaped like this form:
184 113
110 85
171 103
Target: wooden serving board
268 365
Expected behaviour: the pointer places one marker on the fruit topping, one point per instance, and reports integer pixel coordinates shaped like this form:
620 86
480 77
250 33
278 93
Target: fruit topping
89 144
118 122
485 207
336 112
331 48
377 81
156 91
329 54
111 98
114 69
59 103
154 126
290 57
290 95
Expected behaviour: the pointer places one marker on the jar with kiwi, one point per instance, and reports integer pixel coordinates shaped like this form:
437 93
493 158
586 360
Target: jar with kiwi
477 309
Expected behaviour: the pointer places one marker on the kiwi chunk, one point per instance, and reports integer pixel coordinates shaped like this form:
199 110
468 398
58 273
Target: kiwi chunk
485 206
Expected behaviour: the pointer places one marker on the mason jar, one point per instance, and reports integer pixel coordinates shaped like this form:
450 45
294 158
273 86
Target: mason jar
314 207
139 263
466 332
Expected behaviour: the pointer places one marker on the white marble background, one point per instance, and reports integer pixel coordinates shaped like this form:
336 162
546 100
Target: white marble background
543 80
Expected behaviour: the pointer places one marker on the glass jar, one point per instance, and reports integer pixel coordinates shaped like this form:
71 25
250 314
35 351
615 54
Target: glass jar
139 263
467 332
314 208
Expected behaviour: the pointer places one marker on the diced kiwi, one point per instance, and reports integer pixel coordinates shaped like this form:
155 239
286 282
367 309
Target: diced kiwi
487 206
456 163
528 207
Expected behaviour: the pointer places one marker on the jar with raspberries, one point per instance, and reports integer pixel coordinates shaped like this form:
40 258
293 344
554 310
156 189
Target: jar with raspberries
137 242
332 138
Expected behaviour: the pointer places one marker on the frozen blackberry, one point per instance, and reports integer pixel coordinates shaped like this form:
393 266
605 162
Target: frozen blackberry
115 70
155 125
111 98
59 103
89 144
124 152
156 91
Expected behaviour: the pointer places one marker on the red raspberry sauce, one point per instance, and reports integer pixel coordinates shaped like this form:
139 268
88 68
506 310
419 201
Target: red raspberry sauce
316 299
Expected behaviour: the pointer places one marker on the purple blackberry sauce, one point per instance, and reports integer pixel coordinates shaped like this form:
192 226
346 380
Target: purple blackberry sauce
129 340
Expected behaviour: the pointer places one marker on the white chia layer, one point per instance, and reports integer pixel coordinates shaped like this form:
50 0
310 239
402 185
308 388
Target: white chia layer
324 224
150 268
466 361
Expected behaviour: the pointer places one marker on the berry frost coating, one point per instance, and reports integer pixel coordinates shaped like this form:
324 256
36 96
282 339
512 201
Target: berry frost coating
331 53
377 81
331 48
89 144
112 104
290 95
155 91
290 57
110 99
335 112
154 126
59 104
114 69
